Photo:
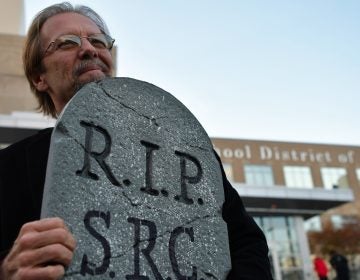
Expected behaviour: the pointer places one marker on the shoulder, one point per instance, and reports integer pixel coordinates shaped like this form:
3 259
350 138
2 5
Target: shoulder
17 149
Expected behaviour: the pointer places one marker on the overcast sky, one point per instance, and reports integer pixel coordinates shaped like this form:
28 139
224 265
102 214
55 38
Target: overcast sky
285 70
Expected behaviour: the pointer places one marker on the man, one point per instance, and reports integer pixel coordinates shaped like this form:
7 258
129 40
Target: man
340 264
66 48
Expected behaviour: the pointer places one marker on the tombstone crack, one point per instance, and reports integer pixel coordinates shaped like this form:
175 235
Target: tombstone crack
198 219
210 275
198 147
183 225
130 200
62 129
152 120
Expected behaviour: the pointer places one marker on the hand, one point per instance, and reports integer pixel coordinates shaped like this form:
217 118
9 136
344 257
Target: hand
42 250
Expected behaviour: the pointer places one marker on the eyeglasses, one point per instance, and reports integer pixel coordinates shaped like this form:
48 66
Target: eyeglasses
70 41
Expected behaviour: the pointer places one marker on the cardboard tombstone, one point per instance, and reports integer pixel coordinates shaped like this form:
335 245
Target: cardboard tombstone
134 176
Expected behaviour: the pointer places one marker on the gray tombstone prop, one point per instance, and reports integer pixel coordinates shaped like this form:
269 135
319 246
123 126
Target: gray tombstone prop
134 176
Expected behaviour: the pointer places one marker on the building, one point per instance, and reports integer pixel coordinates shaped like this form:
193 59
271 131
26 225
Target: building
283 184
17 103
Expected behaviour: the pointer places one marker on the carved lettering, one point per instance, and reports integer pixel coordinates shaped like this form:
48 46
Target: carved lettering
185 178
146 252
85 268
172 254
99 157
150 147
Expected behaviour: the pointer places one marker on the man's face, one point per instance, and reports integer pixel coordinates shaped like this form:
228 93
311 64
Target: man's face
66 70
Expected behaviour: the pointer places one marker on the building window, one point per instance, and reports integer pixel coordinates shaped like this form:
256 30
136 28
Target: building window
313 224
339 221
358 175
298 177
259 175
284 241
228 171
334 177
336 221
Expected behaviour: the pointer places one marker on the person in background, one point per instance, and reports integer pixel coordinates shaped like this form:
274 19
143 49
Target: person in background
67 47
320 268
340 264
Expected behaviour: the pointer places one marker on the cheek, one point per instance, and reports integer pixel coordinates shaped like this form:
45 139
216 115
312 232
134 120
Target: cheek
56 67
108 60
63 65
64 71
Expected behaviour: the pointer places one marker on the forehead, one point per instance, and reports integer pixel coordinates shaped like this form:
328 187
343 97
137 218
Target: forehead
68 23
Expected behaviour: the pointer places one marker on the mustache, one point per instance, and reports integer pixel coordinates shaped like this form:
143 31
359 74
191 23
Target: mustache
84 64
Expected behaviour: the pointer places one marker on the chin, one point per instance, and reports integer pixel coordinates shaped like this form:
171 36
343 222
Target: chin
92 76
88 77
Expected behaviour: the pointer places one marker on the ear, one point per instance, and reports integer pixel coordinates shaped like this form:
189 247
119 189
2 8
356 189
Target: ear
40 83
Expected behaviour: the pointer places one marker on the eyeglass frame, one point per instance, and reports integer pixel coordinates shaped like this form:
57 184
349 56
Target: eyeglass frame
107 37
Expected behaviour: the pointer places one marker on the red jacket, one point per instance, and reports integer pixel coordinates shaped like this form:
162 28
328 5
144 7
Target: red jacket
320 267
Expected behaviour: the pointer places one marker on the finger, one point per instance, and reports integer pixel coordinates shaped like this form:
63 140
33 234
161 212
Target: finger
34 240
41 273
54 254
26 237
42 225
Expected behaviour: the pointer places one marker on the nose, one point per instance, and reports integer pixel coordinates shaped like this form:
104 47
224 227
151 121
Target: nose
87 49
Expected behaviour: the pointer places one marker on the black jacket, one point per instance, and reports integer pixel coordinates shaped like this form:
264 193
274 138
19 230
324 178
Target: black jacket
22 176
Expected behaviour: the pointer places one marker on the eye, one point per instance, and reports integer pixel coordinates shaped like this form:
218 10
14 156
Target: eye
67 42
98 41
